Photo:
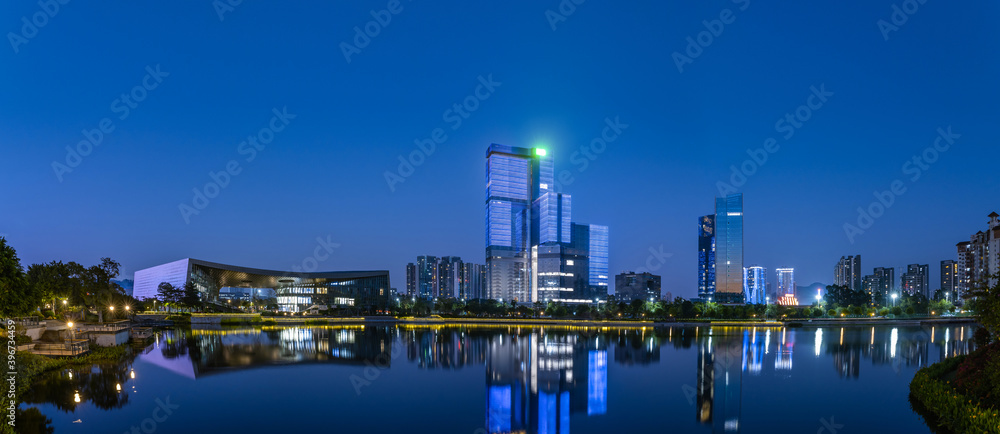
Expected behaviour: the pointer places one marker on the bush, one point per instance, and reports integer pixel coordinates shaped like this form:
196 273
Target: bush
831 312
269 322
979 376
947 407
883 311
22 340
910 311
897 310
982 337
856 310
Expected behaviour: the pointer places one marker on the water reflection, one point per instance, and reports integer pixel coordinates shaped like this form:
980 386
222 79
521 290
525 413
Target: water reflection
537 380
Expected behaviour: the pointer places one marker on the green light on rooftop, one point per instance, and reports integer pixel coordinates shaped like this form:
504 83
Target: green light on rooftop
540 152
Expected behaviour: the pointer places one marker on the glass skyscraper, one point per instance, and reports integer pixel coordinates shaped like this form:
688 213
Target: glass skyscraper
533 250
729 249
755 280
706 257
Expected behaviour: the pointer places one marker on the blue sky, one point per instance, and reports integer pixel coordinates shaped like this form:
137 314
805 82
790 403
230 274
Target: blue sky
323 175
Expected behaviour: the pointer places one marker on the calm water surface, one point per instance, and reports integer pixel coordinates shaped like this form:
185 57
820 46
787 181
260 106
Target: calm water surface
477 379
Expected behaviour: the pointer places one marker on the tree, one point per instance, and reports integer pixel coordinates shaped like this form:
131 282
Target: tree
168 293
190 296
16 296
987 304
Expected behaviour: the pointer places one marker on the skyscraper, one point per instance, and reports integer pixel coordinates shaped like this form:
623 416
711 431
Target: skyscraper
427 277
473 281
449 276
786 282
515 178
755 282
411 280
979 258
917 279
729 249
706 257
949 278
848 272
534 252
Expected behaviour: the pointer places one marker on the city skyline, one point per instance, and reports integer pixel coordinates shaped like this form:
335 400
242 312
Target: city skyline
677 136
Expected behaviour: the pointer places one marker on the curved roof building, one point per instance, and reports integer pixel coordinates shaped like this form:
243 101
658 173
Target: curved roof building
368 291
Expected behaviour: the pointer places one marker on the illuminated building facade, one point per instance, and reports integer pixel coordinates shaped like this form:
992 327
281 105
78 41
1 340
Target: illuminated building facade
631 286
848 272
534 252
729 249
706 257
365 291
786 282
755 283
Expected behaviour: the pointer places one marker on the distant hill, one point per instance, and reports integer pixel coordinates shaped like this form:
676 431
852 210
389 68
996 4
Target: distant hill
809 291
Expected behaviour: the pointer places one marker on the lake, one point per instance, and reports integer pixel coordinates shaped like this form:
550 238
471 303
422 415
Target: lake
499 379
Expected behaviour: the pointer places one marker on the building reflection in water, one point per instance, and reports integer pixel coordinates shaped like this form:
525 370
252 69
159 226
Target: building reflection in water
536 380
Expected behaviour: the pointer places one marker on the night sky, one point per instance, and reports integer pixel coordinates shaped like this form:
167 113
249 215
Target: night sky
324 174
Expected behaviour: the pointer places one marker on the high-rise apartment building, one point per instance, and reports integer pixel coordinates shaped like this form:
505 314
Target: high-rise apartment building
917 279
449 276
848 272
473 285
534 252
427 277
706 257
729 249
978 259
411 280
755 284
949 278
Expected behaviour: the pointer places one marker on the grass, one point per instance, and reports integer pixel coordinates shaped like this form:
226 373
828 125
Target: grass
943 406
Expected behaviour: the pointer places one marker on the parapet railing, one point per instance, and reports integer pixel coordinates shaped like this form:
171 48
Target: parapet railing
104 328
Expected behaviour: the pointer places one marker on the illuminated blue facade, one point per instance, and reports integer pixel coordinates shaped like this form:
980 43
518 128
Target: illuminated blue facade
533 250
754 282
729 249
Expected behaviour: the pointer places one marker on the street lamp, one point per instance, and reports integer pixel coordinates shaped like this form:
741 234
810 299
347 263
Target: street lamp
894 296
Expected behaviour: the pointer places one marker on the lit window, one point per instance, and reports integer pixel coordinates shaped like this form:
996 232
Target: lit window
569 262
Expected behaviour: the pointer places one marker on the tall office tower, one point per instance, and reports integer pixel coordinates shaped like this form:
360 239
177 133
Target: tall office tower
411 280
449 276
473 281
949 278
848 272
755 283
427 277
706 257
786 282
515 178
533 250
729 249
917 279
